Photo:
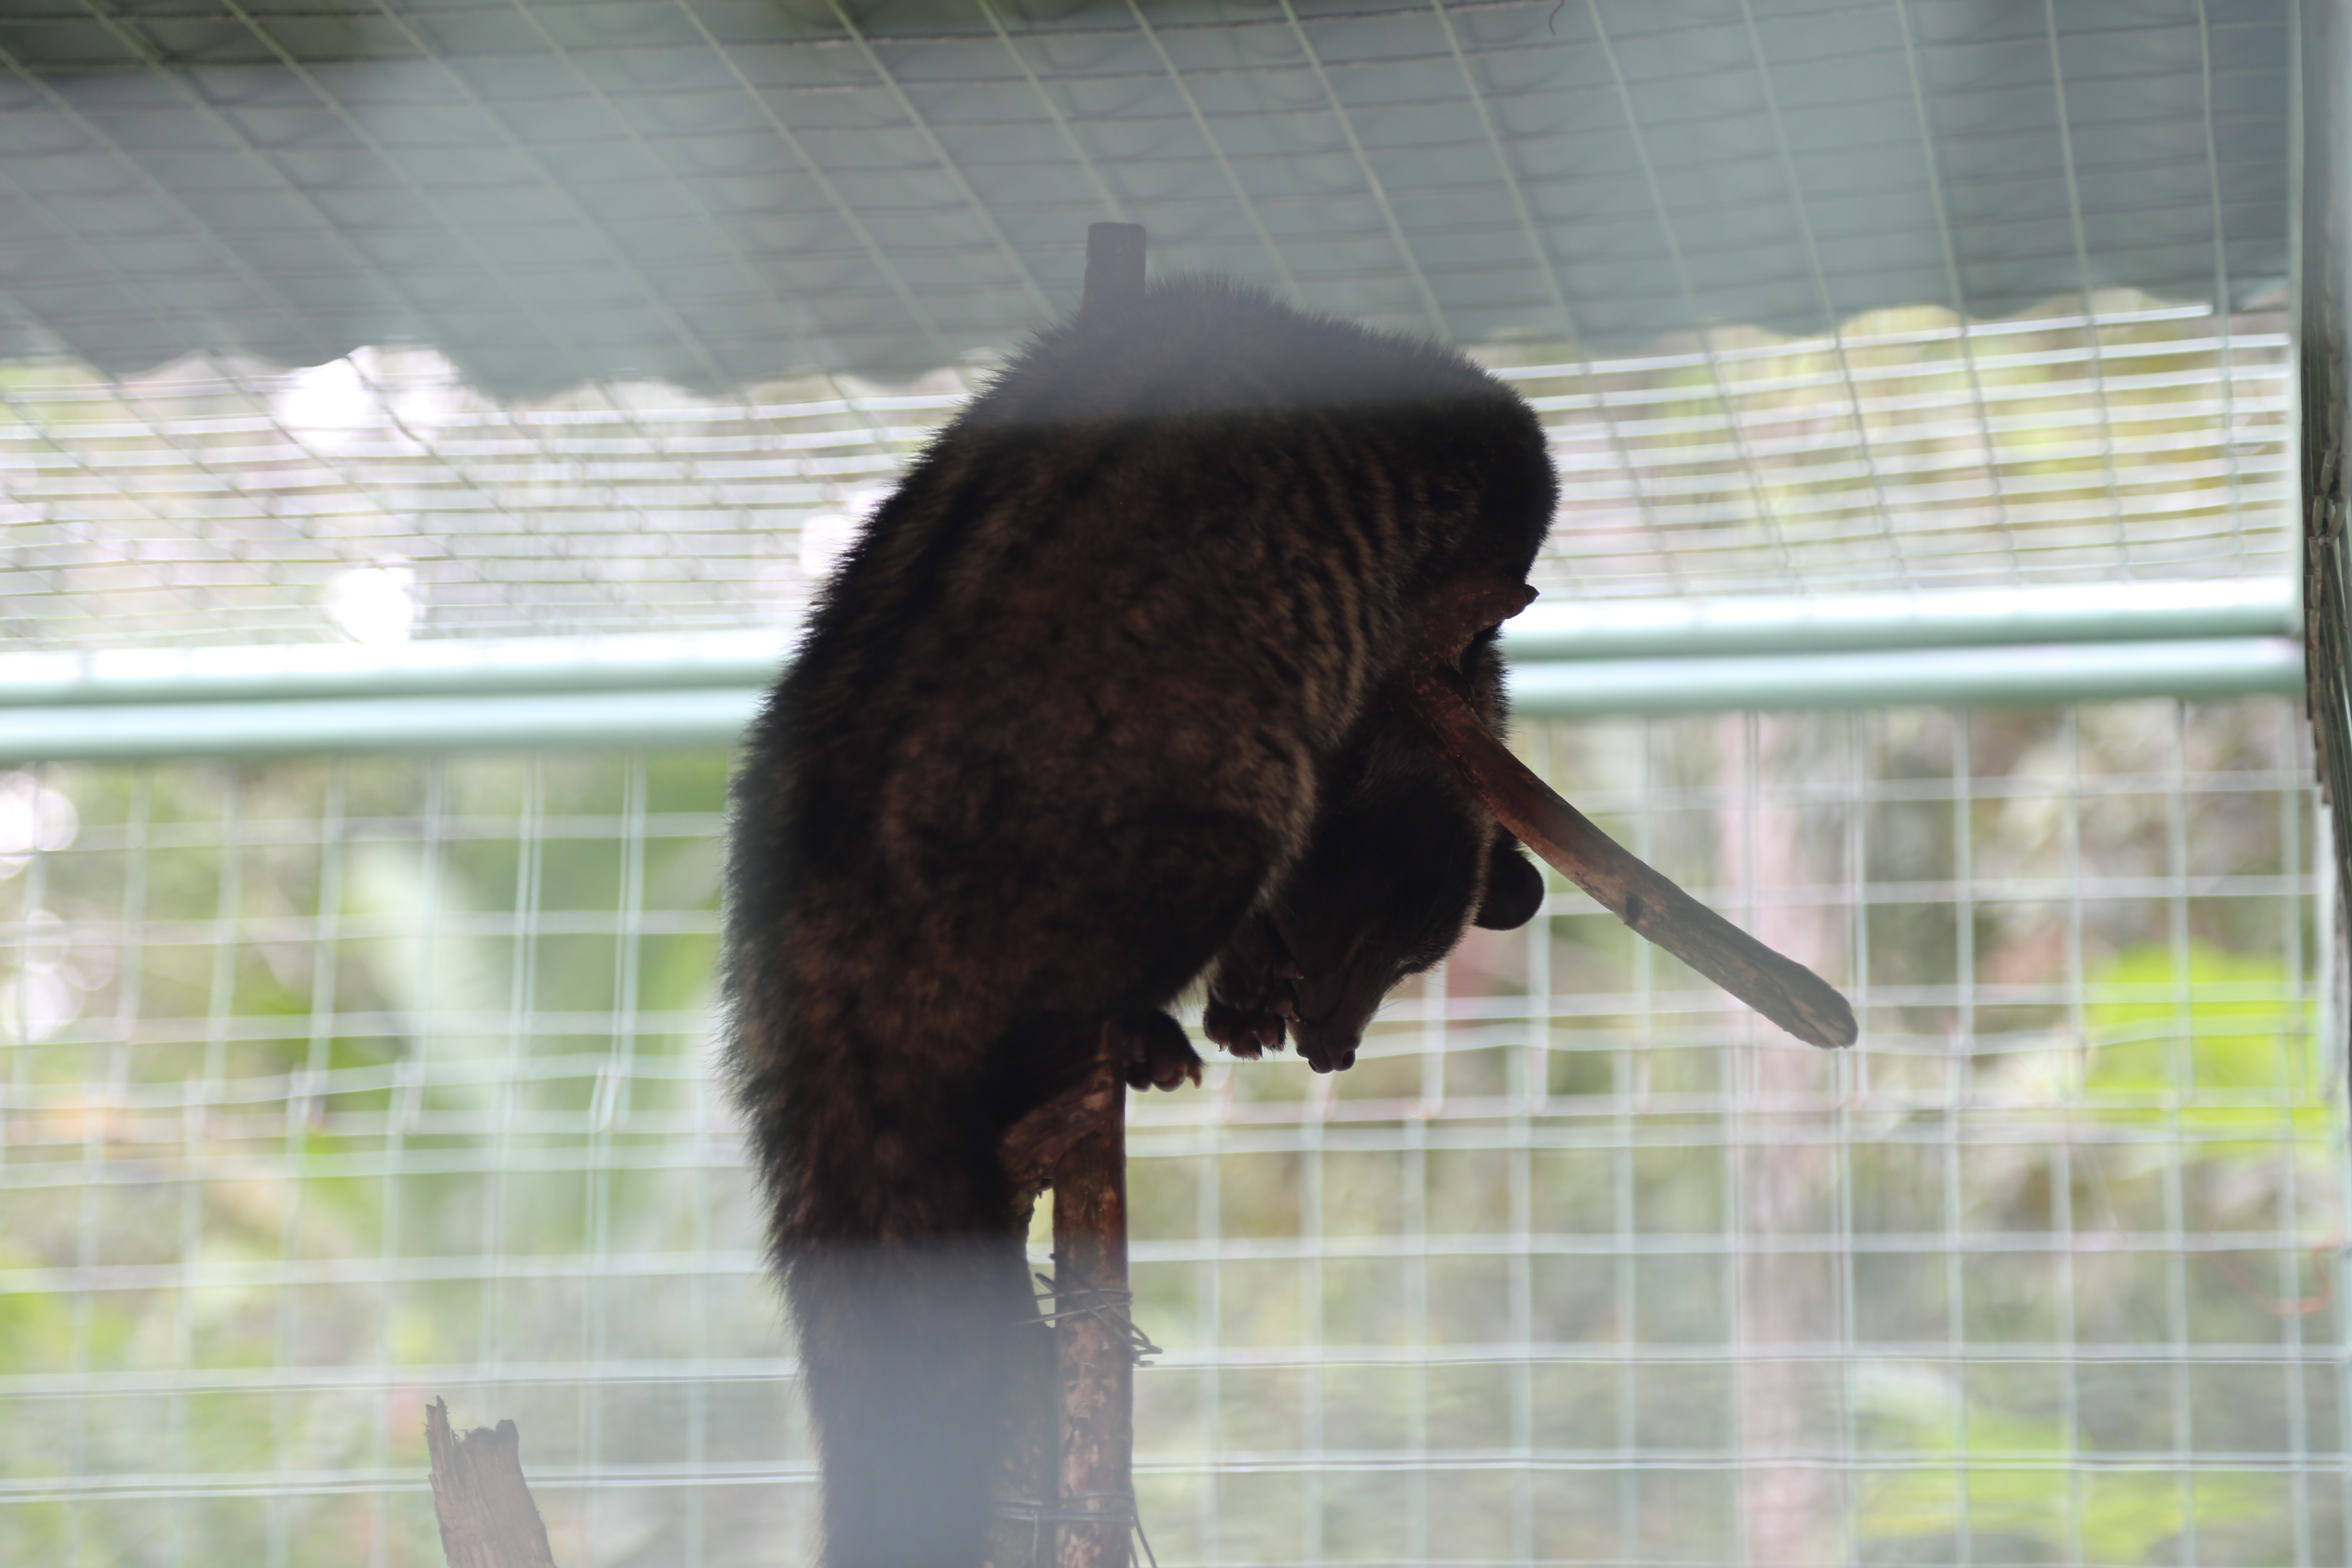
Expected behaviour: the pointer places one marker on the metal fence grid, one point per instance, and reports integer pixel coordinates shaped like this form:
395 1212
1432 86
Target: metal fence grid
2106 439
336 1085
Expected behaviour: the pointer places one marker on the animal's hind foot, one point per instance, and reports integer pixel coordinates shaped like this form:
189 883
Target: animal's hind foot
1149 1050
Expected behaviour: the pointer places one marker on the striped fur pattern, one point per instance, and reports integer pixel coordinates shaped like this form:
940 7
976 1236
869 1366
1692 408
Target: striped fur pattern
1089 712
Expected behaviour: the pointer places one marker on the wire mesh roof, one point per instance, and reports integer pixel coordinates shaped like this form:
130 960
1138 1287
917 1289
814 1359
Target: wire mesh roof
394 318
711 195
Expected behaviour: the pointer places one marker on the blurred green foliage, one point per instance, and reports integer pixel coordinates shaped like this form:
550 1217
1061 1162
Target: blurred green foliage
2208 1043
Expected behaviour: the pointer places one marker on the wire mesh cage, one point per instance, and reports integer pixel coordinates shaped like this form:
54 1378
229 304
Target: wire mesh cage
2109 439
336 1085
503 236
336 1082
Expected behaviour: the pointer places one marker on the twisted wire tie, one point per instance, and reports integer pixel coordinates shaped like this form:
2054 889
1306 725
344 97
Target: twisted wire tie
1121 1508
1114 1310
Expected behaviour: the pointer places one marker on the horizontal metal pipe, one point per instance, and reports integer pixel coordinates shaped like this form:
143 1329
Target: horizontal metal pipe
715 715
1976 677
1551 629
473 667
1968 617
669 719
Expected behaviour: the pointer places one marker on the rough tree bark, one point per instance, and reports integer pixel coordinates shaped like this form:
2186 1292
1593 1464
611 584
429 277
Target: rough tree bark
1097 1370
1072 1441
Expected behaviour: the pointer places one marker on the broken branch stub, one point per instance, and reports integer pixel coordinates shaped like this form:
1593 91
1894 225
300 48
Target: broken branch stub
1034 1145
488 1520
1776 985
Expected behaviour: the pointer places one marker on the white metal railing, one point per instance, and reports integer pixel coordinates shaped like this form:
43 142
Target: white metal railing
2232 637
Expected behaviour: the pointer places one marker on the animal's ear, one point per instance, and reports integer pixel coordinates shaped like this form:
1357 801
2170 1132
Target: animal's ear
1515 888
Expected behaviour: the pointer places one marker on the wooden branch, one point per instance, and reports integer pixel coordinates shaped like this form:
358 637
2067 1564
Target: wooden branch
488 1520
1037 1144
1097 1367
1791 996
1072 1452
1114 269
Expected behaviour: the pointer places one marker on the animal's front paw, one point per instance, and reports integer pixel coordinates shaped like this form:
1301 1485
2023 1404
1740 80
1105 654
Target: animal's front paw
1249 1030
1252 993
1151 1052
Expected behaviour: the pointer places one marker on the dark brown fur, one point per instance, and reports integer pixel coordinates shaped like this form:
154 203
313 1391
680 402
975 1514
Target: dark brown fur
1092 706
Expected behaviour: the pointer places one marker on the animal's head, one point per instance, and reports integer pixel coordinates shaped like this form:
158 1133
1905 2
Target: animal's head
1402 863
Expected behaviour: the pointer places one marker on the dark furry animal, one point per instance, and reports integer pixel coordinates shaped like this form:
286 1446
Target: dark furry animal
1093 707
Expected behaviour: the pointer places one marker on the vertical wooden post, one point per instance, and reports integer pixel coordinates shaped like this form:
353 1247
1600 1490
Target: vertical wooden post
1114 269
1036 1155
1062 1382
1096 1357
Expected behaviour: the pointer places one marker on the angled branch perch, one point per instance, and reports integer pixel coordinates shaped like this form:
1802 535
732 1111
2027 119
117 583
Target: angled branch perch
1776 985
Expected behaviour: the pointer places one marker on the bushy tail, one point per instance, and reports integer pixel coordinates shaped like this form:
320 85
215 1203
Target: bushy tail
906 1356
895 1234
